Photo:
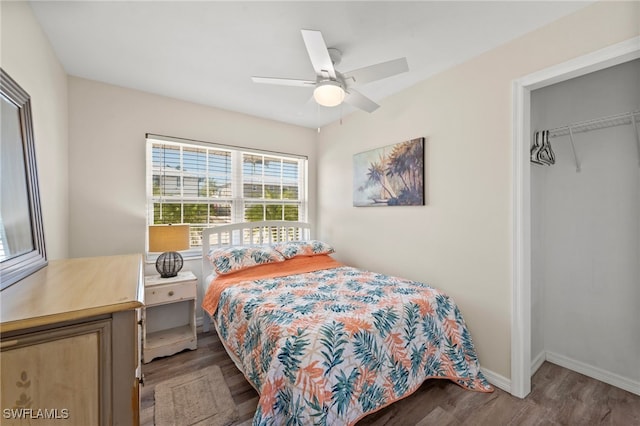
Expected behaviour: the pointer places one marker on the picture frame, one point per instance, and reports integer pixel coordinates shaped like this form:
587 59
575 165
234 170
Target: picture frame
390 176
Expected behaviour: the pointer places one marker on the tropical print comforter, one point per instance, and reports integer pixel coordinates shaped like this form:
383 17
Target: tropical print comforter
329 346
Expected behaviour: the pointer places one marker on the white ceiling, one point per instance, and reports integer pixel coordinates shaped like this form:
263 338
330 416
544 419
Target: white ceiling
206 51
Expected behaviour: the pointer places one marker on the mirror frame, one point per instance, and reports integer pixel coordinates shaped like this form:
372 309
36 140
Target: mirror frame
17 267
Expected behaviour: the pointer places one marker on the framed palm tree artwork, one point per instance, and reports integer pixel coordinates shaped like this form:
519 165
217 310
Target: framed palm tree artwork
390 176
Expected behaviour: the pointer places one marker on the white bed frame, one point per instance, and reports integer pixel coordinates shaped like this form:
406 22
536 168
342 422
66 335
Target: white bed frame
247 234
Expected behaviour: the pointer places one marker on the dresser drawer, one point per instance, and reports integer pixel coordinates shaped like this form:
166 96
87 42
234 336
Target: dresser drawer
169 293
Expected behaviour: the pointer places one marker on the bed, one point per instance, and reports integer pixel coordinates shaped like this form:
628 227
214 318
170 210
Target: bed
324 343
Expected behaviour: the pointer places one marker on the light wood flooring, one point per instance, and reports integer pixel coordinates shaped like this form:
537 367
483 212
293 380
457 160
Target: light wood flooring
558 397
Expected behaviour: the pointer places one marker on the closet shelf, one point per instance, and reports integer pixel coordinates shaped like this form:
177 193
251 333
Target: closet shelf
600 123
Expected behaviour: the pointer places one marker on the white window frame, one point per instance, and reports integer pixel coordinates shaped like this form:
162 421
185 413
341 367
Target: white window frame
237 199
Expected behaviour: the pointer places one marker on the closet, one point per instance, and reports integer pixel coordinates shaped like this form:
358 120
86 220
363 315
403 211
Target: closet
585 225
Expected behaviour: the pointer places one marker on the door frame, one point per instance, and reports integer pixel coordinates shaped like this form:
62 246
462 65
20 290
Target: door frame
618 53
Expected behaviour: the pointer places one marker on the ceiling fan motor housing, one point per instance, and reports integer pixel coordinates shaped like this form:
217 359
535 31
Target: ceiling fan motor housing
335 55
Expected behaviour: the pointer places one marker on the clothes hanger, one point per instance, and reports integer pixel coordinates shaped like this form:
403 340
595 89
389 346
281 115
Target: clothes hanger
535 149
546 153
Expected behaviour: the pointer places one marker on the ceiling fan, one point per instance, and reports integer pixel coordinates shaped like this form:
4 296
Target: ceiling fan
332 87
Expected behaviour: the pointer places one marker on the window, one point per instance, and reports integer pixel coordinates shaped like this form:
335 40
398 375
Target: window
206 185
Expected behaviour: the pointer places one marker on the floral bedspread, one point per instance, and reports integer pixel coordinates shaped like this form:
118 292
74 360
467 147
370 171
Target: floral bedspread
329 346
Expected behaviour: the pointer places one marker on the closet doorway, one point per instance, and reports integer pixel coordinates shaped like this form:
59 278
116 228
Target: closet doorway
585 225
528 298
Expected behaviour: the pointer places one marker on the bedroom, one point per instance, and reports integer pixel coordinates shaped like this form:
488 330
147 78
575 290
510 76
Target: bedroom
467 219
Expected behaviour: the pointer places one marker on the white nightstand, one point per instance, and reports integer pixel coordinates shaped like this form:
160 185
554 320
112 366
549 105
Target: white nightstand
169 316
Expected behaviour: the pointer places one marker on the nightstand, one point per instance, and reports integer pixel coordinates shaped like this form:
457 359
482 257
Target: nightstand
169 316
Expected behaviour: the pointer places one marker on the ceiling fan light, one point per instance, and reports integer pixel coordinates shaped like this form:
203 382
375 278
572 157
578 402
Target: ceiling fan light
329 93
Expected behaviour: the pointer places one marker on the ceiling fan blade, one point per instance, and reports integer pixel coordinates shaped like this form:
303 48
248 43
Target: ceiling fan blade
378 71
358 100
318 53
284 81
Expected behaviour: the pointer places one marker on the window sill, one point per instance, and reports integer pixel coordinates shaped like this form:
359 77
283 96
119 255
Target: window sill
196 254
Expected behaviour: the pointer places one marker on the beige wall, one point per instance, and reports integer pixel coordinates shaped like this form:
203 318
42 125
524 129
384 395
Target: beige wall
107 157
27 56
93 190
461 241
107 160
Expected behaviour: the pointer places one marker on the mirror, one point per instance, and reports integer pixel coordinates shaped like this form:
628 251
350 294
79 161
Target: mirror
22 249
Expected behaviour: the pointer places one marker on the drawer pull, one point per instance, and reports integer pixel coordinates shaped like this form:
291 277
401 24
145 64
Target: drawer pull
171 293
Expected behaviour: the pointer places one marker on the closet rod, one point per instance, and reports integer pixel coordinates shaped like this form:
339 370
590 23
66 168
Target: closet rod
599 123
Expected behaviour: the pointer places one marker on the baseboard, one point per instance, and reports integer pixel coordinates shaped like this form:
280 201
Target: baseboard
537 362
594 372
497 380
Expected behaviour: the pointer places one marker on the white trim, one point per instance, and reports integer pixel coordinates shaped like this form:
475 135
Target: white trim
497 380
172 140
615 54
521 256
521 239
537 362
594 372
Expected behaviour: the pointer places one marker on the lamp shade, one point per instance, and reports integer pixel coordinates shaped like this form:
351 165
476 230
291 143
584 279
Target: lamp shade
329 93
168 238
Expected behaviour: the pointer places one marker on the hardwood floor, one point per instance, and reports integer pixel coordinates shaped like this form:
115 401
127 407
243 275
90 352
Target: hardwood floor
558 397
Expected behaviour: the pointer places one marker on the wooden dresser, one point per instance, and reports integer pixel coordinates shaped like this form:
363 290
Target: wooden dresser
70 343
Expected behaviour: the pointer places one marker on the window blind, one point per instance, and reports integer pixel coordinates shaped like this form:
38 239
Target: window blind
206 185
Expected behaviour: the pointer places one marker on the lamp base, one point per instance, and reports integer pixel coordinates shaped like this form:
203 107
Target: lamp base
169 264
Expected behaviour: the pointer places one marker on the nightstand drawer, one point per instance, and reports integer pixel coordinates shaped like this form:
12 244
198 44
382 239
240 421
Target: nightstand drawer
169 293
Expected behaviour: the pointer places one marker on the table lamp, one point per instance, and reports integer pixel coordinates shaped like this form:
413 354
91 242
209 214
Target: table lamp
168 239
